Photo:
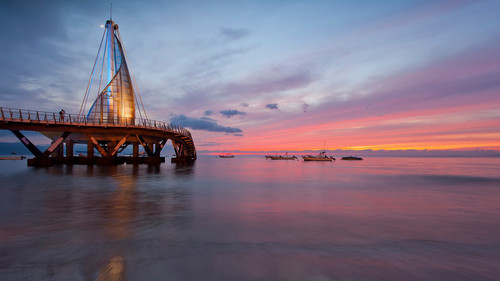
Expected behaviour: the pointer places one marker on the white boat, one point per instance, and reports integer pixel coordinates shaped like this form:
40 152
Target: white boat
320 157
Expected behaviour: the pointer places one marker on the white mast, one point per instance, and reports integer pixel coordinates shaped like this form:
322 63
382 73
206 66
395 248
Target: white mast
115 103
110 39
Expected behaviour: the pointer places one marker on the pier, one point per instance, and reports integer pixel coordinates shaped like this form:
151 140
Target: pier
109 138
109 126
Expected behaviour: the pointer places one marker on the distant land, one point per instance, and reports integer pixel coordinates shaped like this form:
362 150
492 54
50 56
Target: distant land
19 148
369 152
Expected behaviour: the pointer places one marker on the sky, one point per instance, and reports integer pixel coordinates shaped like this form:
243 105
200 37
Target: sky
274 75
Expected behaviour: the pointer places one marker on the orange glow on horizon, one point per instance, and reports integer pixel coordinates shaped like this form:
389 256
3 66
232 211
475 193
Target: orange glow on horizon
456 128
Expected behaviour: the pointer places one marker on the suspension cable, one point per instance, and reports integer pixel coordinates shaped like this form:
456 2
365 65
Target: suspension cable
99 94
89 84
133 79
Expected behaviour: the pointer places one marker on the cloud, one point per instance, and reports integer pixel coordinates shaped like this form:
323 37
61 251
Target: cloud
234 33
208 112
272 106
230 113
205 143
253 87
270 82
203 123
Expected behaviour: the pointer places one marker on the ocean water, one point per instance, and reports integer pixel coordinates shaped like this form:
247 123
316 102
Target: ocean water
247 218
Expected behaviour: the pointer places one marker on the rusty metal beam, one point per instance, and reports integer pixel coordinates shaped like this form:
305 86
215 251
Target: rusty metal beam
176 148
96 145
123 148
112 151
182 150
29 145
55 144
101 133
159 147
145 145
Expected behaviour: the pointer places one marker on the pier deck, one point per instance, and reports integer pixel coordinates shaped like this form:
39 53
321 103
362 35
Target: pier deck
108 138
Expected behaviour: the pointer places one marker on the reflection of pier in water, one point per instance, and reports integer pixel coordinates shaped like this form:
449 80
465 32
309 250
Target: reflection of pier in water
93 222
110 125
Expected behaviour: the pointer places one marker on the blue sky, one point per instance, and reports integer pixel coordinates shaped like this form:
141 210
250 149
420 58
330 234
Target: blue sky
266 75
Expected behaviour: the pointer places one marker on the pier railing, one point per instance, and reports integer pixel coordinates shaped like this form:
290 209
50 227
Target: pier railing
43 117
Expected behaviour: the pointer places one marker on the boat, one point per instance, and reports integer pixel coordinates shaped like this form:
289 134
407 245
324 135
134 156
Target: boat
13 158
351 158
226 156
320 157
282 157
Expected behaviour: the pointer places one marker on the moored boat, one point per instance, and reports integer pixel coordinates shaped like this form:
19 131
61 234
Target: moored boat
281 157
351 158
13 158
320 157
226 156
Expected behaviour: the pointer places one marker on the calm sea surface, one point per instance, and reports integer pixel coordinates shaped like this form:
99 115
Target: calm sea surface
248 218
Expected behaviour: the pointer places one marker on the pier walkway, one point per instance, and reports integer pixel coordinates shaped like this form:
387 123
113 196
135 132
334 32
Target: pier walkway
108 137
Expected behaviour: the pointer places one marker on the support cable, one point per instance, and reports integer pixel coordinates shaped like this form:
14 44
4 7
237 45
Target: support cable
135 83
89 84
99 96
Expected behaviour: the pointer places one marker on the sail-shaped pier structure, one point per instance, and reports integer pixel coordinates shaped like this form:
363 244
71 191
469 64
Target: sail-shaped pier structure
115 119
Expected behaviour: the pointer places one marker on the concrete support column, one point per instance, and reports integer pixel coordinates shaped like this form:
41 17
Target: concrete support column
90 149
109 146
69 149
135 149
151 147
58 151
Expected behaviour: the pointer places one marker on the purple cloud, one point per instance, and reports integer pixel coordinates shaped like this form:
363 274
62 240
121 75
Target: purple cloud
230 113
272 106
203 123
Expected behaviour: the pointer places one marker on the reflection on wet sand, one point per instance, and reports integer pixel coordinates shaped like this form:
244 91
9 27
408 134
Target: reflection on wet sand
84 219
117 212
113 271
